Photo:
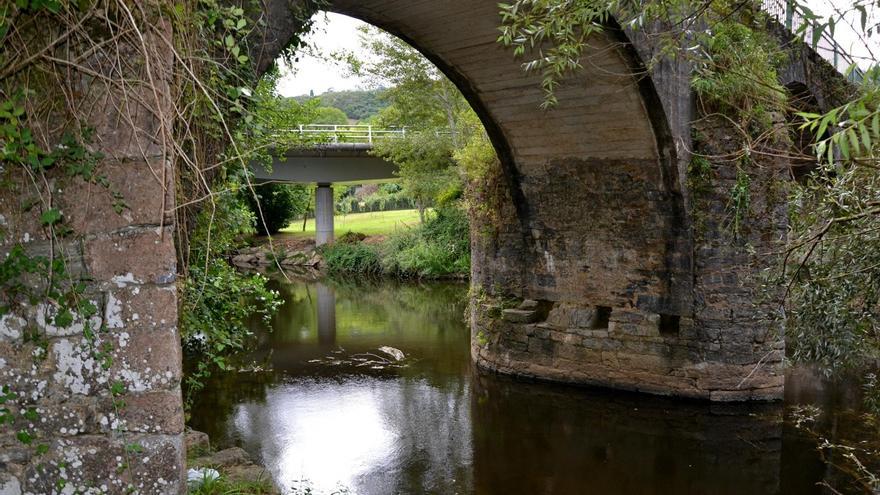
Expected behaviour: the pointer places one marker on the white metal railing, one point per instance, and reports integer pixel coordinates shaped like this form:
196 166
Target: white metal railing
350 134
785 13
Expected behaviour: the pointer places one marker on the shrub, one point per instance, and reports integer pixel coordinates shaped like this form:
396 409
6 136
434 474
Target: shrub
279 204
352 257
438 249
217 301
351 237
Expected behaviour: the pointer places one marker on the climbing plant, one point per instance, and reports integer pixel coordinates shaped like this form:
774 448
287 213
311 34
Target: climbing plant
175 77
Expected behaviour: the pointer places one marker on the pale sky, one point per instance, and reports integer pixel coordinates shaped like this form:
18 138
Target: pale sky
334 33
331 33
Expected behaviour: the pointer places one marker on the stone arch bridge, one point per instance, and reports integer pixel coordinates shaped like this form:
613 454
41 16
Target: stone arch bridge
608 266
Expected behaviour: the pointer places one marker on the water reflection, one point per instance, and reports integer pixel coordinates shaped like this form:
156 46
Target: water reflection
326 307
435 425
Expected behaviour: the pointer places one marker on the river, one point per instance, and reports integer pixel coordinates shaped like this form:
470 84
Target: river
325 411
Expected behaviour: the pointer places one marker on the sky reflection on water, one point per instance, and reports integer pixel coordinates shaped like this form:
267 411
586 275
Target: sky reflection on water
324 420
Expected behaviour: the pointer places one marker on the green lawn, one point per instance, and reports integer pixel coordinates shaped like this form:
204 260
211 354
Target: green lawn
373 223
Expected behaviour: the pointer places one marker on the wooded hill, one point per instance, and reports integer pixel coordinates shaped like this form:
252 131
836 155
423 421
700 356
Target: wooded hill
357 105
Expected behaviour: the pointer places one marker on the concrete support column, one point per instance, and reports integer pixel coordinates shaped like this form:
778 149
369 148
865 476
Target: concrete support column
324 214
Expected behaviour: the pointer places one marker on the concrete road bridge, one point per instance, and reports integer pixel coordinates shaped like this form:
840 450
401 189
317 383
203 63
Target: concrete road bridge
624 266
328 155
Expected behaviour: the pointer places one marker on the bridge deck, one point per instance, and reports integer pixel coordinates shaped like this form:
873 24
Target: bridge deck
339 155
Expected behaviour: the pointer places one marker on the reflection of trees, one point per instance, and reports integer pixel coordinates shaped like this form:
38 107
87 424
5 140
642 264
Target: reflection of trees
222 393
839 409
544 439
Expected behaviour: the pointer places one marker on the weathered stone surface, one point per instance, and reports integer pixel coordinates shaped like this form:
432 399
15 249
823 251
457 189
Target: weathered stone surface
233 456
136 256
519 316
99 462
196 441
528 305
92 208
158 412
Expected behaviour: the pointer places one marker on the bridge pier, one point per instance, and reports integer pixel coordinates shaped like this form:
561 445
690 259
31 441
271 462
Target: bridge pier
323 214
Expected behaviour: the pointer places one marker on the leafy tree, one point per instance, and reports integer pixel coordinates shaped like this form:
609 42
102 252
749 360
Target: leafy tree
278 205
357 105
419 94
427 103
426 166
329 115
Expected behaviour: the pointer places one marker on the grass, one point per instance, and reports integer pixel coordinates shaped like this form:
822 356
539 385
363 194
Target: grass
372 223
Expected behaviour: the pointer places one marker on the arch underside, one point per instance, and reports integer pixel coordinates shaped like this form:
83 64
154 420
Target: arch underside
594 220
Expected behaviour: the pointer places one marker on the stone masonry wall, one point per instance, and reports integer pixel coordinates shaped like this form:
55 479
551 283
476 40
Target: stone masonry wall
589 310
101 414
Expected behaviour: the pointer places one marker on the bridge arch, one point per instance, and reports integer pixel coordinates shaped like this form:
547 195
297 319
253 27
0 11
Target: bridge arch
595 233
610 131
595 216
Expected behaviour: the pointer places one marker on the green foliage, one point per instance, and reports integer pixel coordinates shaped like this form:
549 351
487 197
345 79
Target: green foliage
854 126
445 141
279 204
329 115
529 25
740 200
738 74
834 305
357 104
385 197
352 257
217 300
419 94
832 272
440 248
426 167
225 486
272 112
483 179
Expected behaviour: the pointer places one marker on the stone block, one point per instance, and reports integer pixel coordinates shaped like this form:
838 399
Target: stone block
89 208
528 305
584 317
76 371
144 464
519 316
136 256
151 412
147 307
234 456
150 360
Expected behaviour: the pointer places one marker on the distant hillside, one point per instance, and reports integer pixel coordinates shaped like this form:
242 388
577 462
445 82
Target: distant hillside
357 105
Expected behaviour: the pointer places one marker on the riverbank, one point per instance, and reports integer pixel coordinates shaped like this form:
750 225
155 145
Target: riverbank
227 471
439 249
374 223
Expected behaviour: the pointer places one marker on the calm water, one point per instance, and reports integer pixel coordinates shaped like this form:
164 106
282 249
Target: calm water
324 410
